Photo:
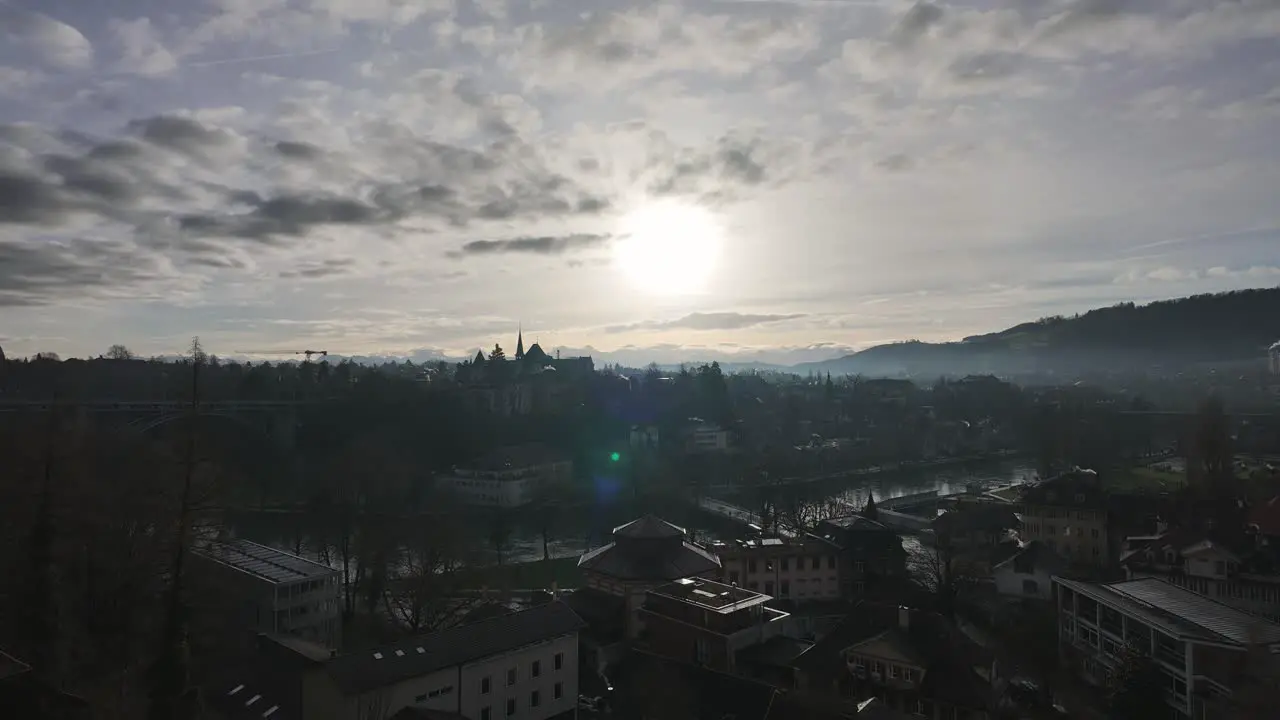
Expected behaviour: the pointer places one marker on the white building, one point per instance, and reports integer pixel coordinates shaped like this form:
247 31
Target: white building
522 666
271 591
1029 572
511 477
1206 651
708 438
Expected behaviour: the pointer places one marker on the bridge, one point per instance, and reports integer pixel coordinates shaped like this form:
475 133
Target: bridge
276 419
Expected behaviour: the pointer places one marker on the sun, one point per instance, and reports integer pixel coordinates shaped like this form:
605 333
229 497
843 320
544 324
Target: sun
669 248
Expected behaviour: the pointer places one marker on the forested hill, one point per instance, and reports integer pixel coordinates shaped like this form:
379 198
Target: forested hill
1219 328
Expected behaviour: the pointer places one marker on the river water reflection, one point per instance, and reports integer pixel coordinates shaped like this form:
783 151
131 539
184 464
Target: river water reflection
575 530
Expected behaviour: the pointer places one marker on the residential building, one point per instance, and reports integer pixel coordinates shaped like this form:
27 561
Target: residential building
705 437
707 623
1206 650
645 553
1028 574
1069 514
910 660
870 554
523 666
507 478
1240 568
265 590
803 568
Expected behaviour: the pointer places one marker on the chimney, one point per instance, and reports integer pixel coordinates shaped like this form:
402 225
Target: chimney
904 617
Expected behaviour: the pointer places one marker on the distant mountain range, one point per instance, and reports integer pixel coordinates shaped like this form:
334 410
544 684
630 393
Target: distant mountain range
1221 328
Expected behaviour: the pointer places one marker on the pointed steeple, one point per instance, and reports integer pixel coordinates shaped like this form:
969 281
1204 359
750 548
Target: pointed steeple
520 344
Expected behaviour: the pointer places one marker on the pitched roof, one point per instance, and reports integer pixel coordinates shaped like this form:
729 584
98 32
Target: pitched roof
649 548
1036 556
648 527
388 664
992 517
1180 612
948 655
262 689
1075 488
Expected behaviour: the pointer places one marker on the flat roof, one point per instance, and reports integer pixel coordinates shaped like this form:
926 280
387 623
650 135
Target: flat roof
268 563
1180 612
711 595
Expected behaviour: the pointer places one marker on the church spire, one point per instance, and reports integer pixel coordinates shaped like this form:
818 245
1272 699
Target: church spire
520 343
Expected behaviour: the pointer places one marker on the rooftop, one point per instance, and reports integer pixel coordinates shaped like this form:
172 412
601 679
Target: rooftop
1076 488
649 548
1180 612
275 566
389 664
710 595
1036 555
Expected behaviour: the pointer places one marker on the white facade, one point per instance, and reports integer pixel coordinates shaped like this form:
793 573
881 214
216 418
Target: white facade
709 438
506 487
792 572
531 683
1037 584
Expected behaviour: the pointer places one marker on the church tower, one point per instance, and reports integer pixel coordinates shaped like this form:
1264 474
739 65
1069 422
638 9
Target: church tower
520 344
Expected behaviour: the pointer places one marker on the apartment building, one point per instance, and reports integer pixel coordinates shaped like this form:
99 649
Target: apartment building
521 666
1235 568
804 568
913 661
707 623
507 478
265 590
1068 513
870 554
1208 652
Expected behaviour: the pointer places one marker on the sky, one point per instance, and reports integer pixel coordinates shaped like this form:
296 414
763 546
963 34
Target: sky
779 181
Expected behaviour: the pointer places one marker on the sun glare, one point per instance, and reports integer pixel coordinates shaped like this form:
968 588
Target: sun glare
669 248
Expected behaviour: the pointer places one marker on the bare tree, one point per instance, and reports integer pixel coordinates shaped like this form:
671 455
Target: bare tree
942 570
423 591
119 352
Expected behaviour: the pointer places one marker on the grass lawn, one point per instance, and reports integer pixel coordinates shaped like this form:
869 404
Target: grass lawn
526 575
1145 478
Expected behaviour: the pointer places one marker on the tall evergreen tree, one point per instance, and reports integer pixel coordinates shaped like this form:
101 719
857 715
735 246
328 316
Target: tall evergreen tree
1136 689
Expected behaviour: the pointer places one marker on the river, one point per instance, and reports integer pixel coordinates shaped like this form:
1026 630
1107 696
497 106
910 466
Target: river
575 530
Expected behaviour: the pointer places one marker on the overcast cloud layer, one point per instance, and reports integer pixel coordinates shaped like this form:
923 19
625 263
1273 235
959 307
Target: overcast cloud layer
374 176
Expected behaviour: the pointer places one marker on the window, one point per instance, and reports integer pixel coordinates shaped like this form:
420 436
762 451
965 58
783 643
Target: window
786 564
831 562
817 563
486 684
486 713
786 588
511 676
559 661
893 672
447 690
558 691
511 707
751 565
908 675
701 650
535 669
535 699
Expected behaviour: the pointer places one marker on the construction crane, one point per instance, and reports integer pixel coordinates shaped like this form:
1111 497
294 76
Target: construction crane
307 353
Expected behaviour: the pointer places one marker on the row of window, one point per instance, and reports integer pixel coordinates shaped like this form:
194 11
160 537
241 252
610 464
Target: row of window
1054 513
284 592
1051 530
535 671
815 563
889 670
535 700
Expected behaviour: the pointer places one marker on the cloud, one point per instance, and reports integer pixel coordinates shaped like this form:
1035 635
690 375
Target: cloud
53 42
705 321
546 245
330 267
141 51
54 271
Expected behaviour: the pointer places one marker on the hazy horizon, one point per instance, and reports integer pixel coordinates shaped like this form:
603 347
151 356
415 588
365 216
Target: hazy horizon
747 181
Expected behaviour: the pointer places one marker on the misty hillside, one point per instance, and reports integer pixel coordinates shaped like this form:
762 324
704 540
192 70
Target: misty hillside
1225 327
